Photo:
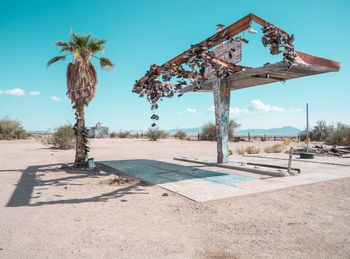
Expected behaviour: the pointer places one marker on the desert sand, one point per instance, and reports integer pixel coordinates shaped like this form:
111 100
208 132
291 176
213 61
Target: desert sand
52 212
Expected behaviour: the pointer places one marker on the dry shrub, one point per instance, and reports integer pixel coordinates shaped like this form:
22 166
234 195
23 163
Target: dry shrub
252 150
113 134
277 148
240 151
11 129
63 138
123 134
180 134
339 135
230 152
208 132
155 133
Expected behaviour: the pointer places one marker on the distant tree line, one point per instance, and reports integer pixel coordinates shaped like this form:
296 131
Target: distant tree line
330 134
208 133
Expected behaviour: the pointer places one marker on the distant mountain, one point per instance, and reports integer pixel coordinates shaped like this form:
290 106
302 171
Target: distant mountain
283 131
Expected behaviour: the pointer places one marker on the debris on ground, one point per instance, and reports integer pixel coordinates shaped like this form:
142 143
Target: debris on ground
320 150
118 180
63 166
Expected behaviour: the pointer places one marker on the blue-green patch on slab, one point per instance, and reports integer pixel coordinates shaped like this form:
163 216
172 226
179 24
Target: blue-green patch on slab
158 172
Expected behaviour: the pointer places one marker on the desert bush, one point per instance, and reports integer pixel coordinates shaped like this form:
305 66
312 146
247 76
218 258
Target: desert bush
155 134
123 134
277 148
63 137
11 129
209 130
180 134
113 134
340 135
230 152
252 150
320 132
240 151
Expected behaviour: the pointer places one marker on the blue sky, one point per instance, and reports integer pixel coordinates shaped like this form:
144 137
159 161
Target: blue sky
140 33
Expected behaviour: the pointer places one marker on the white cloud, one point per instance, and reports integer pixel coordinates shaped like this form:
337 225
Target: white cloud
234 111
259 106
14 91
293 109
191 110
34 93
55 98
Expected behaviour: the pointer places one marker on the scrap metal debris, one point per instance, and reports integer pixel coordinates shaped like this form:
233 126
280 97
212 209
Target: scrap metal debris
275 39
203 61
321 150
156 82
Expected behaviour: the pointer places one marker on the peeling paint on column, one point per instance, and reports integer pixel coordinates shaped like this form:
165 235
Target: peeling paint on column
222 117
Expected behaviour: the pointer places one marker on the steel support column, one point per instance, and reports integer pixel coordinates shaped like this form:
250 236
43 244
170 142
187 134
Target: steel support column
222 117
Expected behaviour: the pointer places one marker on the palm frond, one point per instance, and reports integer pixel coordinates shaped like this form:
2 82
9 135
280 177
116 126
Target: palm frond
84 40
80 40
94 46
106 63
61 43
55 59
74 37
101 41
69 47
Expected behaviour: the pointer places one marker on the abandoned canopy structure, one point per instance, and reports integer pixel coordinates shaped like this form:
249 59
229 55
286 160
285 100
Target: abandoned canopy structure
212 66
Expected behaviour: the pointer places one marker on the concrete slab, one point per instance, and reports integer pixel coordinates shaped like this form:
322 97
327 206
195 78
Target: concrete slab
205 183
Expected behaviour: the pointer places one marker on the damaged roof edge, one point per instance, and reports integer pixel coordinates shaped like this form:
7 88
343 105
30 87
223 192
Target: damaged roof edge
317 61
306 65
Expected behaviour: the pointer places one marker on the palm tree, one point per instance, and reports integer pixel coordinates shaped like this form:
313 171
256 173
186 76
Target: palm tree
81 82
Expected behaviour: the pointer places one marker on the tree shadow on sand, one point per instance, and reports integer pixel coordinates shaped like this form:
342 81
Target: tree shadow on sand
23 193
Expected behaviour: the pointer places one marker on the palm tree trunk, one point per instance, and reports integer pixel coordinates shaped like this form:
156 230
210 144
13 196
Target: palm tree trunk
81 139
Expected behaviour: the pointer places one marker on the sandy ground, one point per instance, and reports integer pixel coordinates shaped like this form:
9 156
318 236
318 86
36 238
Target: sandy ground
48 212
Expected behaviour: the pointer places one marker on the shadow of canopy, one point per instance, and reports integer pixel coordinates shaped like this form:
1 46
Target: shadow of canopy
23 193
151 171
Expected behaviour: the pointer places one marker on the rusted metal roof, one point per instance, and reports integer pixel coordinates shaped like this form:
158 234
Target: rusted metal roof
217 38
305 65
